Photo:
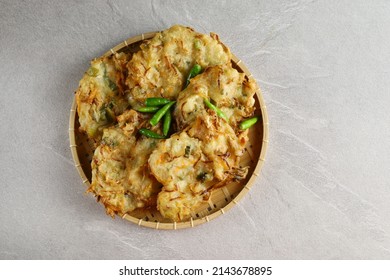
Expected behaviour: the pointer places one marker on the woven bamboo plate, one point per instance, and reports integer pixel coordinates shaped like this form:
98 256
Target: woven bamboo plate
222 199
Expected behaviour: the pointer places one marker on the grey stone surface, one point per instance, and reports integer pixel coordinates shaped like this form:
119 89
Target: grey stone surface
324 190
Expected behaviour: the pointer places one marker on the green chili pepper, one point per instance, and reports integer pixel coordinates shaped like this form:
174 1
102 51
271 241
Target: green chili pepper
160 113
167 122
248 123
217 110
195 70
150 134
156 101
148 109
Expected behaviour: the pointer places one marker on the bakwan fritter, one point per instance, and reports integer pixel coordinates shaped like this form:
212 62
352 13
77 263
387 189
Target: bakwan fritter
120 174
134 164
160 68
231 91
100 96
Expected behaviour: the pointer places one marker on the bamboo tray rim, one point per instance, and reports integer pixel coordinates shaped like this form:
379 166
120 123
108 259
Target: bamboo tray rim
192 222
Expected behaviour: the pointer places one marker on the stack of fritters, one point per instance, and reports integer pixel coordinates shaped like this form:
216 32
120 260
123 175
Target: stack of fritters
178 173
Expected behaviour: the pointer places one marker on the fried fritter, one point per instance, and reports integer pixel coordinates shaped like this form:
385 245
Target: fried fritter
177 163
220 144
120 175
100 96
192 163
161 67
230 90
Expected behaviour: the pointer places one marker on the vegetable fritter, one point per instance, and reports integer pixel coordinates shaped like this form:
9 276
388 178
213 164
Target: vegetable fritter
232 92
161 67
100 96
120 175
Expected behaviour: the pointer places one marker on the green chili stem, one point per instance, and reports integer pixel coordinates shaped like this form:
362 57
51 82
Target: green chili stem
150 134
156 101
160 113
248 123
216 109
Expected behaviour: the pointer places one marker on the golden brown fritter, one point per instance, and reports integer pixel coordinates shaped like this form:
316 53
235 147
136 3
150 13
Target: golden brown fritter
100 96
230 91
120 175
220 144
192 163
176 163
162 65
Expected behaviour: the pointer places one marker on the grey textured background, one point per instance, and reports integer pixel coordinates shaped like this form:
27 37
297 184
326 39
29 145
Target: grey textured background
324 69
